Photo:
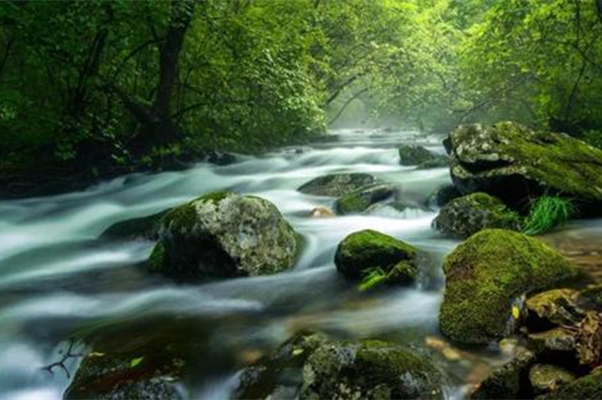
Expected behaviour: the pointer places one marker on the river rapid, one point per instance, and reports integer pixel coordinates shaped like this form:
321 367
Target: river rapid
57 276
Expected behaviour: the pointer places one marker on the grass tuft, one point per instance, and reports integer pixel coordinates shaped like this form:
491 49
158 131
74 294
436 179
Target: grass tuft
372 277
546 213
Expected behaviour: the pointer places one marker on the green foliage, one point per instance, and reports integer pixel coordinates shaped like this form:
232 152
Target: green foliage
546 213
372 277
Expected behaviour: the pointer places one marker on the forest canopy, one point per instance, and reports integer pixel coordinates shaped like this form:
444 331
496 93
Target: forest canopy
91 86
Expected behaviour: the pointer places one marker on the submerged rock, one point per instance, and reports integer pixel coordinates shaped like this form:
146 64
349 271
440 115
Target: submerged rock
361 200
489 271
509 381
125 377
135 228
467 215
546 378
421 156
314 367
321 212
515 163
443 195
364 251
336 185
223 235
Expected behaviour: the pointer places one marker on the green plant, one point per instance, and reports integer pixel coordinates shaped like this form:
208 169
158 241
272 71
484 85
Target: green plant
372 277
546 213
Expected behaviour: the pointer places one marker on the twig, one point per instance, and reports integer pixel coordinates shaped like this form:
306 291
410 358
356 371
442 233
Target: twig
61 364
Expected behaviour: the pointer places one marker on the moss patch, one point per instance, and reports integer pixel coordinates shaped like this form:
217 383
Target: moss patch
486 273
364 252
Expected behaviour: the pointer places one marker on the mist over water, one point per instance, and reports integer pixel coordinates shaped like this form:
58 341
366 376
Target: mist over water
56 276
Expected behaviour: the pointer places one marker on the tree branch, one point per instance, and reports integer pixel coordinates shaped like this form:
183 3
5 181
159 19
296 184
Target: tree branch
349 100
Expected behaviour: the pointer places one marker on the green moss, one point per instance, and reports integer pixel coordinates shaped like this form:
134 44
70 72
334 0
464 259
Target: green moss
486 274
214 197
547 213
156 261
588 387
465 216
352 203
555 161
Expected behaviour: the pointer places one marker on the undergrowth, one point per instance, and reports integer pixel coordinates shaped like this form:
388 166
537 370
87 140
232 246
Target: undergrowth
546 213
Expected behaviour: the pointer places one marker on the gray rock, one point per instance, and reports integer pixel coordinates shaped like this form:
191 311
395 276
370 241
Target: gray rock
360 200
546 378
336 185
223 235
467 215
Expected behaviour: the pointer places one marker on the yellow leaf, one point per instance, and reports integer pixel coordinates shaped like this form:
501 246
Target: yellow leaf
96 354
515 312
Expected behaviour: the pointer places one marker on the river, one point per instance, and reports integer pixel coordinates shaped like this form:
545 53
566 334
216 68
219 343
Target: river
56 275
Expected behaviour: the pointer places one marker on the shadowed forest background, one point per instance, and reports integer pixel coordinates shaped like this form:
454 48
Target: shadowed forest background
98 88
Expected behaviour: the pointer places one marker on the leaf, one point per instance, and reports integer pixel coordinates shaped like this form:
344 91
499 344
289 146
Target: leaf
136 361
96 354
515 312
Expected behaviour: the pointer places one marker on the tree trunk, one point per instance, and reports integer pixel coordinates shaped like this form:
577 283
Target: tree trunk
599 7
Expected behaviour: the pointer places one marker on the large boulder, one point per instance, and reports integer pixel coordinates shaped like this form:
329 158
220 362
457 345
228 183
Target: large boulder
486 274
515 163
336 185
224 235
421 156
467 215
315 367
360 200
365 251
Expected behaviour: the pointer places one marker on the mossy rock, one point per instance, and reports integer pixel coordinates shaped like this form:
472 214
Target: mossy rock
587 387
312 366
222 235
126 376
467 215
369 370
547 378
515 163
552 308
360 200
421 156
366 250
336 185
486 273
508 381
135 228
557 341
280 372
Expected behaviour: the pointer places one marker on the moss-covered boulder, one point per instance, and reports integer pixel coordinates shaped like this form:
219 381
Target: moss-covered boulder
486 273
364 252
369 370
223 235
467 215
587 387
515 163
336 185
135 228
508 381
421 156
316 367
360 200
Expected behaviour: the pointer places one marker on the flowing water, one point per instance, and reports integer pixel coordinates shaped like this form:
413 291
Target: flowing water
57 276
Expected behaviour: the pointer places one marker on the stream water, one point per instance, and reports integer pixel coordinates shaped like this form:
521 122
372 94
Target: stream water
56 275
